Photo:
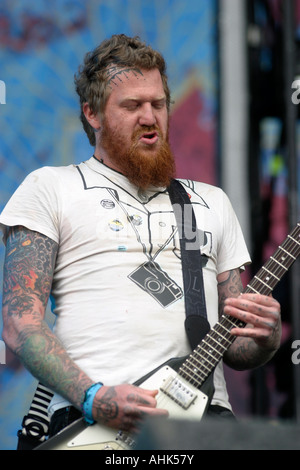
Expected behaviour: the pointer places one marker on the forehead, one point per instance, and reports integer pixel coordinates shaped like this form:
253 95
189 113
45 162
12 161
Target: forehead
134 83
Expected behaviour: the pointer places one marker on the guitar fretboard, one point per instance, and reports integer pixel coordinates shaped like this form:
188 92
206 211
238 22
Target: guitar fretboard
203 360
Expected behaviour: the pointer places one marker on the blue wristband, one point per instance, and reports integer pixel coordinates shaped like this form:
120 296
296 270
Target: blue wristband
87 404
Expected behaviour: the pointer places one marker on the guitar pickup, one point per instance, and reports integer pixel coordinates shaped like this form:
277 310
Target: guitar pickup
179 391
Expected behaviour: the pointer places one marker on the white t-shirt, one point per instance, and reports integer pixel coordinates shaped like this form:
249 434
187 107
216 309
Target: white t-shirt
117 288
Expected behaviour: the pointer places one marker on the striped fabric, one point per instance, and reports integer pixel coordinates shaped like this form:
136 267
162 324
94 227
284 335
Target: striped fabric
36 423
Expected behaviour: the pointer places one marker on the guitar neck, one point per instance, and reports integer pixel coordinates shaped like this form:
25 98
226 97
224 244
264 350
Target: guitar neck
203 360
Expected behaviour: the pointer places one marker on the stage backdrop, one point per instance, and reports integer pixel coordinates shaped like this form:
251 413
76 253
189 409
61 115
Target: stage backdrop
40 50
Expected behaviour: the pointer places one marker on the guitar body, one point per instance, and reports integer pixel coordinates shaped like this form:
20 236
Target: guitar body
180 398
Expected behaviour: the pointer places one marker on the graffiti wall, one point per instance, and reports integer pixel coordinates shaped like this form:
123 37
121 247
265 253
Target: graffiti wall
40 50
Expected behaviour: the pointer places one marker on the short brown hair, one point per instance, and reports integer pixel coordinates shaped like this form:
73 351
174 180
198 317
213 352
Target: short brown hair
120 51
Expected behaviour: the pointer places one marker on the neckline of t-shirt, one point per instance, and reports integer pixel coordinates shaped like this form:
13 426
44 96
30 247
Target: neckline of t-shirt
107 166
98 165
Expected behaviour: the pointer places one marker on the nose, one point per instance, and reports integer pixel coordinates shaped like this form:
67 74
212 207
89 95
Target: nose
147 116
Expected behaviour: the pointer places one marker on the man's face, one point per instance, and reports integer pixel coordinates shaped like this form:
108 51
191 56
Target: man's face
133 137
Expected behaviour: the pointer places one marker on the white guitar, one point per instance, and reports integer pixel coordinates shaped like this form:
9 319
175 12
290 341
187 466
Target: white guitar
184 384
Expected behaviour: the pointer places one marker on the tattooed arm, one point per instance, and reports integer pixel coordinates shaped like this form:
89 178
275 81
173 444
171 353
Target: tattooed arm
28 272
259 340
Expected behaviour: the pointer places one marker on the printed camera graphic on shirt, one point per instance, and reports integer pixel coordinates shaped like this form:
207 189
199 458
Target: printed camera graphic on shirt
153 280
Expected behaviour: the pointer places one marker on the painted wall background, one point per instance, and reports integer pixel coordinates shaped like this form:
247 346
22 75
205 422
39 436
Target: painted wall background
40 50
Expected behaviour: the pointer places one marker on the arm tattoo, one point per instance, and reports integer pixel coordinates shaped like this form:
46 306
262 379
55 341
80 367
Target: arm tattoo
243 353
230 287
28 268
45 357
28 272
237 355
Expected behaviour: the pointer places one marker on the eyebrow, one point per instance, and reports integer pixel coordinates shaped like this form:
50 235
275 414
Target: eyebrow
139 100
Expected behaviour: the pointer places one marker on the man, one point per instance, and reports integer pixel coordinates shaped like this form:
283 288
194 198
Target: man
101 238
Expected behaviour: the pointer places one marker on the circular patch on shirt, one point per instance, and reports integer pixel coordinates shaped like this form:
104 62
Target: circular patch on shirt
116 225
107 203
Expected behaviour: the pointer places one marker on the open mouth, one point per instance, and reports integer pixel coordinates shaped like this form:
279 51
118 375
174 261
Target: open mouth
149 138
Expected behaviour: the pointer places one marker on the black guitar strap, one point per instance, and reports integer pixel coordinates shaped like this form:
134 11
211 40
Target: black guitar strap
196 323
35 425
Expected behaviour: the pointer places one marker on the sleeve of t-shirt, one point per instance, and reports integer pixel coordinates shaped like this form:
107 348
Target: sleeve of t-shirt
34 205
232 250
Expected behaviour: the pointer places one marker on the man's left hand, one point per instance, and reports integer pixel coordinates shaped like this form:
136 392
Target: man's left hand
261 313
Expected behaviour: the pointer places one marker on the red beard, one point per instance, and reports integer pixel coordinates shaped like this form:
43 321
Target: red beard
143 165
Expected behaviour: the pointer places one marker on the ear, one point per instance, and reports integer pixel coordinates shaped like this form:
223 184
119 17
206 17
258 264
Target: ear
92 118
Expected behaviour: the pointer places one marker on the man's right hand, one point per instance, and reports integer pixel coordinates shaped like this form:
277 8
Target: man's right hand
124 406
